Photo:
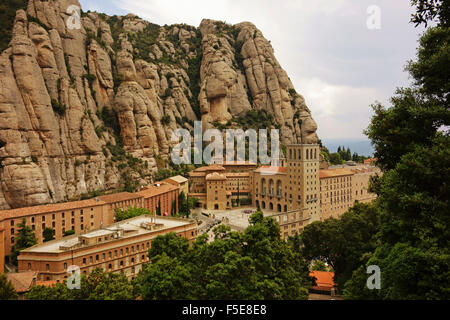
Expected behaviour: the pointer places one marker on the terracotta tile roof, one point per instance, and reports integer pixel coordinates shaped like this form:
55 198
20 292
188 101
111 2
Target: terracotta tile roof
324 280
116 197
154 190
178 179
196 174
213 167
48 208
271 169
22 281
330 173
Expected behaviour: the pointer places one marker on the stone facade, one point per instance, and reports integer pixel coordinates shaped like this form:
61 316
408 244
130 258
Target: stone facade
163 195
335 192
219 187
84 215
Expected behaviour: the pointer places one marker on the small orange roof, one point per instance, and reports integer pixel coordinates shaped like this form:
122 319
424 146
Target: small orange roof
47 283
370 160
154 190
48 208
23 281
271 169
330 173
324 280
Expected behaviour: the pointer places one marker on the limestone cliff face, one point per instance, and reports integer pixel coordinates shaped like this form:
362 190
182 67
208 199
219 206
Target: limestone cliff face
85 109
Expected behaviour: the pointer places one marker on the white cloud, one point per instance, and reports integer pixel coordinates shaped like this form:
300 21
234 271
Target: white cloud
341 111
339 65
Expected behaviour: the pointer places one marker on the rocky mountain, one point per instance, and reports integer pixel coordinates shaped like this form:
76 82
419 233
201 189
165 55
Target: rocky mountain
93 108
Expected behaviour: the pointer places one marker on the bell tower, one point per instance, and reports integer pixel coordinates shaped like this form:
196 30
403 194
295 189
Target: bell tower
303 162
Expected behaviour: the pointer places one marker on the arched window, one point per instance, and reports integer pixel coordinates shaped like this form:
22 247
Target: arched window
279 188
271 188
307 154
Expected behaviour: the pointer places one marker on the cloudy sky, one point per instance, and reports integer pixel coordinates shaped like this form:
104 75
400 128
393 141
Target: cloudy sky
334 60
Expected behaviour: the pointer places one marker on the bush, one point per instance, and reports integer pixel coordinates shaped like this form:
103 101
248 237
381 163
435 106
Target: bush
58 107
165 119
69 233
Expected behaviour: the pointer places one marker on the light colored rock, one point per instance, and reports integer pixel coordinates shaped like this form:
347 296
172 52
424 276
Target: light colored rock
47 157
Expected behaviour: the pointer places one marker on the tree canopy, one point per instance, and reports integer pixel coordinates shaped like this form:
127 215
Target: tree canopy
255 264
7 291
411 140
25 238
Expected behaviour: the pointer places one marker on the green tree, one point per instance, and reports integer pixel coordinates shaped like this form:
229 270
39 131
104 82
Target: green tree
163 174
7 291
256 264
25 238
48 234
411 141
335 158
319 265
171 244
343 242
131 212
99 285
183 203
158 208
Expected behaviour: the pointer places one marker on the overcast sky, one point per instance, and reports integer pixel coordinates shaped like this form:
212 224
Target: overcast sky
334 60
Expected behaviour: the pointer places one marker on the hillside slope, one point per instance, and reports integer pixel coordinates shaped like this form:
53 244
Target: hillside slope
94 108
